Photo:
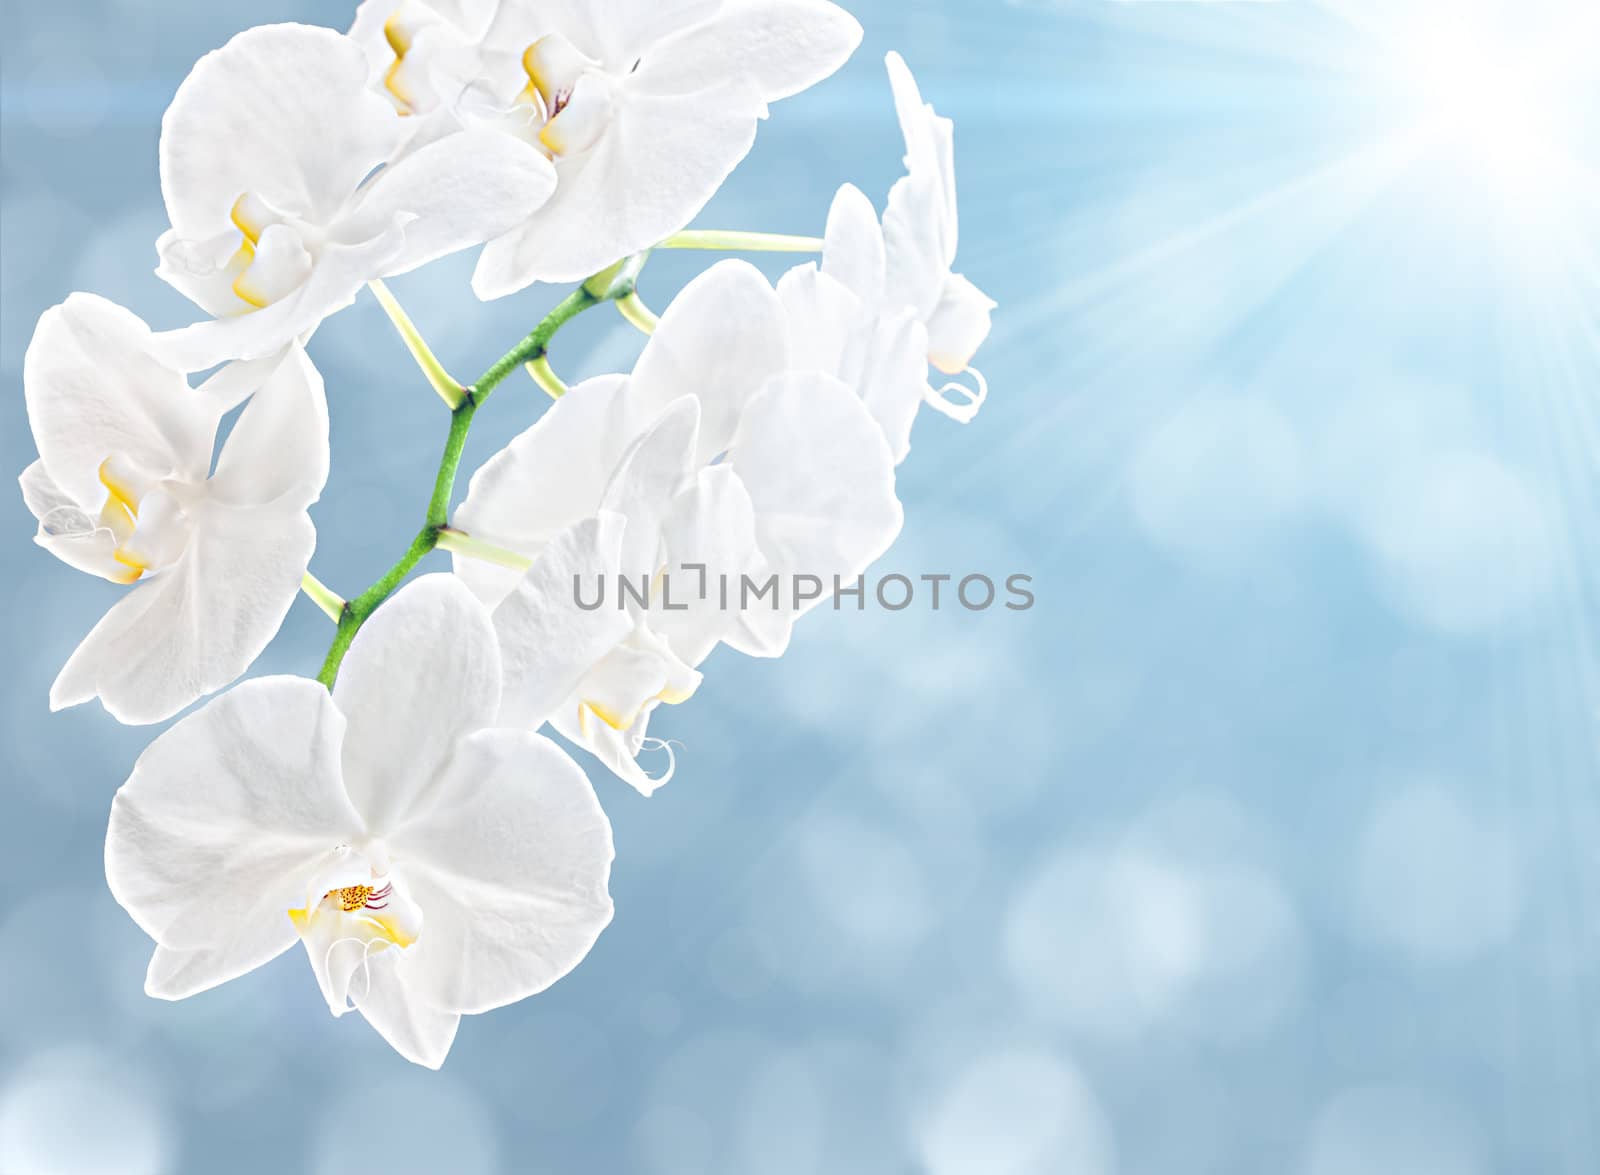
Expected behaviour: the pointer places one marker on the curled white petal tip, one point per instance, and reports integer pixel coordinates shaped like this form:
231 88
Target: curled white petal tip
657 781
967 400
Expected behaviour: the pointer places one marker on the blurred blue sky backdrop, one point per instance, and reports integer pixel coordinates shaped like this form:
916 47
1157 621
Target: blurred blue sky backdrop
1268 841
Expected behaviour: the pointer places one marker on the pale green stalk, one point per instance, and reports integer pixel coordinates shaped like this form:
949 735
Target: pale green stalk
460 543
441 381
635 311
322 596
740 242
545 376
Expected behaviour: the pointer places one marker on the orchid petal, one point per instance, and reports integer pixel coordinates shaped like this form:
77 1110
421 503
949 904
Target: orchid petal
204 271
177 975
549 477
853 246
928 136
338 276
277 453
94 390
712 526
225 814
616 34
66 531
420 1033
471 18
633 677
779 47
917 262
658 163
452 194
617 749
824 317
281 112
958 325
197 625
41 494
821 478
547 642
891 373
883 356
422 672
511 864
721 338
235 382
646 479
608 713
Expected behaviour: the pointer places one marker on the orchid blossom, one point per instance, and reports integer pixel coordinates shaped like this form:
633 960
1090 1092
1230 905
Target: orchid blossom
644 106
880 354
279 173
422 55
123 490
624 528
432 865
905 261
735 464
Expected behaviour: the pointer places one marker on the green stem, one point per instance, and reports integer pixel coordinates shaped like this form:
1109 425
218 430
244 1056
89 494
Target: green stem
741 242
534 346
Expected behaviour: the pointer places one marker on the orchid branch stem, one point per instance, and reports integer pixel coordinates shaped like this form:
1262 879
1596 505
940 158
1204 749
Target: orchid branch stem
441 381
533 347
741 242
635 311
545 376
331 603
460 543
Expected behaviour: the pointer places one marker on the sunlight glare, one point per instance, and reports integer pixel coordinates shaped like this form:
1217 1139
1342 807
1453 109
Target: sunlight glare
1499 99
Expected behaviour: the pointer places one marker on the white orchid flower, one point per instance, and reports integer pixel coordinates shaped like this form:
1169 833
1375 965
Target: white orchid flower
878 352
425 58
434 867
906 261
422 55
801 441
646 510
645 106
279 173
717 461
123 489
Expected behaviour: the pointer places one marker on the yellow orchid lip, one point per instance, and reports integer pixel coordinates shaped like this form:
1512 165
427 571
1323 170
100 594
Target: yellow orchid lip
556 69
117 485
609 717
242 221
250 229
673 697
120 516
136 564
241 287
364 901
552 142
400 39
666 695
533 67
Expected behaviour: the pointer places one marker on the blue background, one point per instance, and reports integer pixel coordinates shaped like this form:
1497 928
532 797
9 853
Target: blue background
1267 841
